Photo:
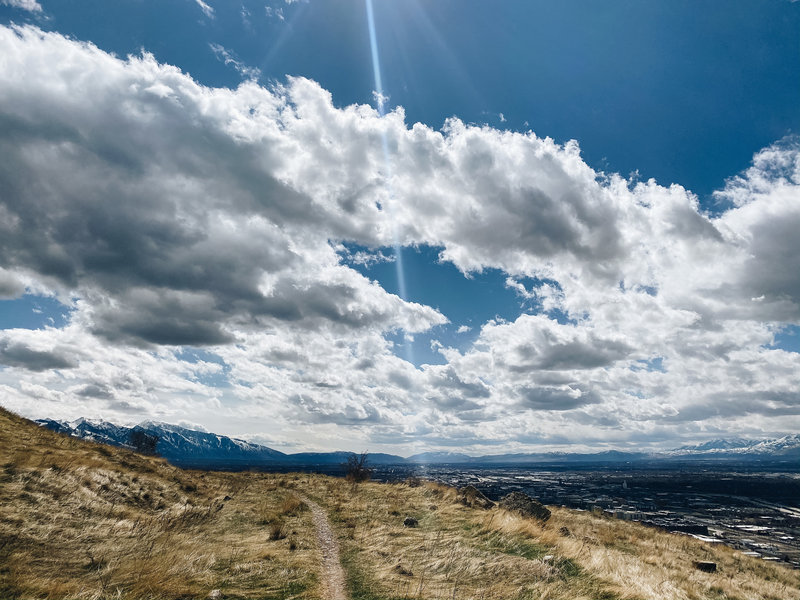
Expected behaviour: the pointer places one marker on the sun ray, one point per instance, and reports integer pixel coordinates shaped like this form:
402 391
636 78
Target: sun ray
380 101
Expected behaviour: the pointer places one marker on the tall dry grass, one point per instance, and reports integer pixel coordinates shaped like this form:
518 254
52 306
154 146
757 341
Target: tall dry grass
642 562
464 553
85 521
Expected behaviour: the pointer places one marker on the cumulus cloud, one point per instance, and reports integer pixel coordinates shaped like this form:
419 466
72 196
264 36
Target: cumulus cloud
538 343
764 224
21 355
11 285
173 214
172 244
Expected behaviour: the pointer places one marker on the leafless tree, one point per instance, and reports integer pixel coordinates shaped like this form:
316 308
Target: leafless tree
357 469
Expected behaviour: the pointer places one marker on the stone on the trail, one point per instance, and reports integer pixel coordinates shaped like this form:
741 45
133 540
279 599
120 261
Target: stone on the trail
410 522
474 498
525 505
706 566
214 595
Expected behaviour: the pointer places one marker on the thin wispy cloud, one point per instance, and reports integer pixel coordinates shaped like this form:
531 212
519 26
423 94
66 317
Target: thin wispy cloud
227 57
276 13
30 5
207 9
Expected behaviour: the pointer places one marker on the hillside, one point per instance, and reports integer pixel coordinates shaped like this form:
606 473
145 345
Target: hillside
83 520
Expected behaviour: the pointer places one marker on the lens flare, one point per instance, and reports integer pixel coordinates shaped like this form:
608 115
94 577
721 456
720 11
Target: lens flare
380 100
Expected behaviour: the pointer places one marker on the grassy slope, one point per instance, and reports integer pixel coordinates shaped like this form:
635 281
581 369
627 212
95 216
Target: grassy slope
457 552
79 520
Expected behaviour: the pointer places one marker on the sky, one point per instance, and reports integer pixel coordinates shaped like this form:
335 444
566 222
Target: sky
401 226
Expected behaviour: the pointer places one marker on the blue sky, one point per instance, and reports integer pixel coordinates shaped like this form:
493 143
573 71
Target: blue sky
683 92
217 228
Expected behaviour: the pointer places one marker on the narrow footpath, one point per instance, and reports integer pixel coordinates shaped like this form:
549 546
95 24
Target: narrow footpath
332 572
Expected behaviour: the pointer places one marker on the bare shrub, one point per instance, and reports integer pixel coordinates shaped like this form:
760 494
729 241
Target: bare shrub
357 469
276 531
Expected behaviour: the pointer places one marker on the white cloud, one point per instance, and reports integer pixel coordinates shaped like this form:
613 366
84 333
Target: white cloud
245 15
274 12
380 99
364 257
31 5
227 57
207 9
229 213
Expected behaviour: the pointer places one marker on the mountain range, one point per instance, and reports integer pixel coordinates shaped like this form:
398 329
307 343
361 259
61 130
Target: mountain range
191 448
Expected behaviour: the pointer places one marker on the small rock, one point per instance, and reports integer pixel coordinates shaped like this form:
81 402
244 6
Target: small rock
225 499
214 595
706 566
410 522
525 506
474 498
548 558
401 570
564 532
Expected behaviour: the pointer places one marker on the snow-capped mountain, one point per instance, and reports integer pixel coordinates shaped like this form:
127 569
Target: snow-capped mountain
788 445
178 445
102 432
719 444
785 445
191 448
182 445
440 458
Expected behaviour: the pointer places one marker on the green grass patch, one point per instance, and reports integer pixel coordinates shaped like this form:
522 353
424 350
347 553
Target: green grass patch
359 584
513 545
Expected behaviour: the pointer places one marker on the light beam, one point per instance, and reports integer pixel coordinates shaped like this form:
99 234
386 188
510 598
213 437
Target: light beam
380 100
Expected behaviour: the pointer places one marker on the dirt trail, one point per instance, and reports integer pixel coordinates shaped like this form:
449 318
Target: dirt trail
332 572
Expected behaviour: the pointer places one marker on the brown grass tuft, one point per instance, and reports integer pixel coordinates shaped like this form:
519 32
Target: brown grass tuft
291 505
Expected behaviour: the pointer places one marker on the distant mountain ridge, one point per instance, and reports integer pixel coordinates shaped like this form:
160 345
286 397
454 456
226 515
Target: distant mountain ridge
178 445
786 445
192 448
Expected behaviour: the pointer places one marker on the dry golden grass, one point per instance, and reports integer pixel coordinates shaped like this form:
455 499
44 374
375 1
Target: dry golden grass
459 552
84 521
642 562
80 520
